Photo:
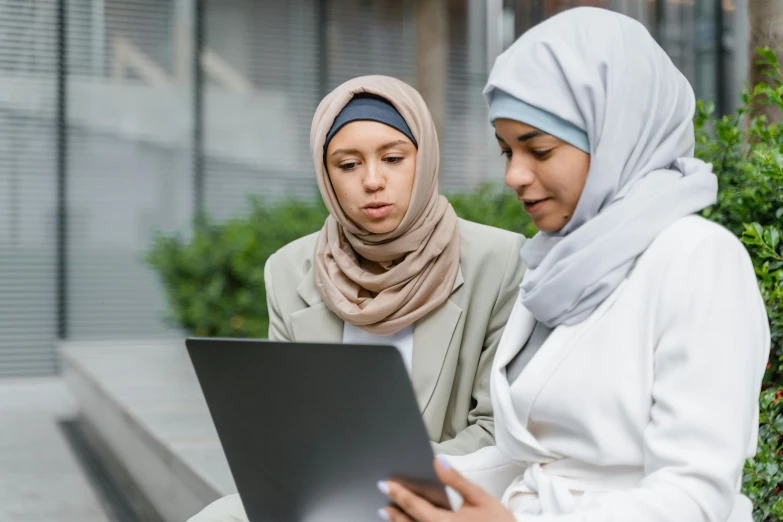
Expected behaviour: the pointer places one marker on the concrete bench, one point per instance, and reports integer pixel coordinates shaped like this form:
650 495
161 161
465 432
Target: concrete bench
142 400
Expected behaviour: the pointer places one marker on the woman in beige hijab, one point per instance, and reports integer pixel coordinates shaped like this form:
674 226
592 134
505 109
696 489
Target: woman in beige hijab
394 265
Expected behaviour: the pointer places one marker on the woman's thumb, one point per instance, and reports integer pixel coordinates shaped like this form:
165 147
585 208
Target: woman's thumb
471 493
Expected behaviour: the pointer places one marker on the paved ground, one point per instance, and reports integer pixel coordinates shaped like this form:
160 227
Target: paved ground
40 479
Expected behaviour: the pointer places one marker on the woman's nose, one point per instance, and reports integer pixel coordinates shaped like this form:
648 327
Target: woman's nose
373 179
518 175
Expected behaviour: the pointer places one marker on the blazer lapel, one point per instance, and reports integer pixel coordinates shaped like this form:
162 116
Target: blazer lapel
431 340
316 323
550 355
513 430
518 329
431 335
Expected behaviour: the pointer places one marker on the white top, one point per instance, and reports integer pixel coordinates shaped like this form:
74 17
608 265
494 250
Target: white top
647 410
402 340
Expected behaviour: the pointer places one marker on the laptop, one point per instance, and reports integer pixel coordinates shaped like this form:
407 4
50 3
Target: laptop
309 429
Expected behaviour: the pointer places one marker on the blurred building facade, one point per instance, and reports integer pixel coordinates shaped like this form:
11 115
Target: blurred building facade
109 132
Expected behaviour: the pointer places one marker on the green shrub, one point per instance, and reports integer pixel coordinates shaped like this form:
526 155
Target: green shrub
493 204
763 481
747 154
763 478
214 281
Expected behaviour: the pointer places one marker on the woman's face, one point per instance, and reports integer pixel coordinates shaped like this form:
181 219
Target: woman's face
547 173
372 167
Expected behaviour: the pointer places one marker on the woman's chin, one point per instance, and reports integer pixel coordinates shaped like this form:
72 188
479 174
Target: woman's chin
549 226
380 226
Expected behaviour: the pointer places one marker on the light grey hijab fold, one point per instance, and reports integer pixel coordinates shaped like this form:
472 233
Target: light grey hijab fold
604 73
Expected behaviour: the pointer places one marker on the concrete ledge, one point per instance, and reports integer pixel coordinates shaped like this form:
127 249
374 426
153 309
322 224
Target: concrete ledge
143 400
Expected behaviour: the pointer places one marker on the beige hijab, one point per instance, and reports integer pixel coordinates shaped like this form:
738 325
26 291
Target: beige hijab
383 283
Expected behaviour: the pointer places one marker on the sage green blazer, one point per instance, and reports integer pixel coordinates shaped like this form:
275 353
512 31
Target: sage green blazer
453 346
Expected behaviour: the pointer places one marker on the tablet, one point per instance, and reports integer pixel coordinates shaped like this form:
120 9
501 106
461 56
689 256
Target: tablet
309 429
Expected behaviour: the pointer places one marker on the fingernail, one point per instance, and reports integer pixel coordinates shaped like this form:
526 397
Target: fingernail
383 487
383 514
444 463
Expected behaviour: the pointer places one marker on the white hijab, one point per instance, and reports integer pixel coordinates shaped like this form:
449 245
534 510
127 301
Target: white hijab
604 73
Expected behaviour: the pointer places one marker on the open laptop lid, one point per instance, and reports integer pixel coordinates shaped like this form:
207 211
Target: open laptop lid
308 429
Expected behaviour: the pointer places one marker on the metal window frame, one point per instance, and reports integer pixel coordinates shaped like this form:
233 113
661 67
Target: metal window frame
62 171
722 102
198 109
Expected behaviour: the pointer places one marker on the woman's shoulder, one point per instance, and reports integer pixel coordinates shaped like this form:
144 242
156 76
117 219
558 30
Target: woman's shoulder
489 252
694 232
482 240
295 258
691 242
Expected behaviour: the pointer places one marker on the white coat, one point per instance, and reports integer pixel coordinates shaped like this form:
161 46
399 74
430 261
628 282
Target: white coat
646 410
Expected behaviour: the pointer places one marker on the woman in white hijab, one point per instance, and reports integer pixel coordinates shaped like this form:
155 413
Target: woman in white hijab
625 385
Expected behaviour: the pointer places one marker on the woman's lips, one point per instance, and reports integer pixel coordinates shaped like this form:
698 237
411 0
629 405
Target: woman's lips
377 211
534 207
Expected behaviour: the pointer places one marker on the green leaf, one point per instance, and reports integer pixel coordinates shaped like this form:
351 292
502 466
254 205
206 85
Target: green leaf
767 56
774 238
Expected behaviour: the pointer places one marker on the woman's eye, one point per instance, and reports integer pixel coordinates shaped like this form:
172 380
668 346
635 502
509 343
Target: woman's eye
541 153
506 153
394 159
348 166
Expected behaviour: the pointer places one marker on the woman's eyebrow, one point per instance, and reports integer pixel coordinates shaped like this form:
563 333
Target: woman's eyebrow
344 151
390 145
530 135
525 137
379 149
